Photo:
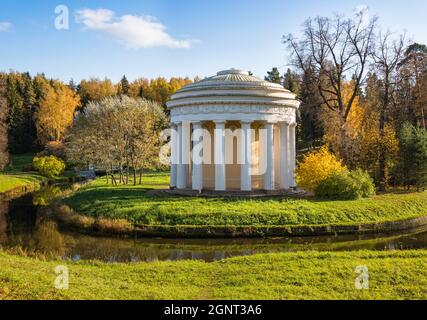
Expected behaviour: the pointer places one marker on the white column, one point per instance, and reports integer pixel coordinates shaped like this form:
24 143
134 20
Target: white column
219 157
174 158
197 157
246 157
180 183
184 154
285 179
292 154
269 174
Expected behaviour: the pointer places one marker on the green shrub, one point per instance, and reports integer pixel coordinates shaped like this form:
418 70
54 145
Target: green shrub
49 166
364 182
346 185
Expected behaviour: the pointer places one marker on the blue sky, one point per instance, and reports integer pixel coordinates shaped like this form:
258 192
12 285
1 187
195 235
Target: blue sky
149 38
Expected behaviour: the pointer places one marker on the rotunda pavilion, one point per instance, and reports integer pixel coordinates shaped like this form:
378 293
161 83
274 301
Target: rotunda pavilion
233 131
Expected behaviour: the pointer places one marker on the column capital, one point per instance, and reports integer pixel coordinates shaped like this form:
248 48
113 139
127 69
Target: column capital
246 121
196 123
293 124
219 121
284 123
269 123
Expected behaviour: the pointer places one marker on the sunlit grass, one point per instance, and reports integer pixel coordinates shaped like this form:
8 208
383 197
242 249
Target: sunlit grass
12 181
98 199
305 275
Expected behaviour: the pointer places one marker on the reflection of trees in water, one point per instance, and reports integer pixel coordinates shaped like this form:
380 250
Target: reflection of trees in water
25 227
48 240
45 195
4 208
44 238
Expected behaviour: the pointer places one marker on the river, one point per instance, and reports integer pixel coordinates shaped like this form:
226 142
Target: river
24 228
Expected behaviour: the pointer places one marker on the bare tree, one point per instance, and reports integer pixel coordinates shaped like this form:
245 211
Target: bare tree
387 56
331 51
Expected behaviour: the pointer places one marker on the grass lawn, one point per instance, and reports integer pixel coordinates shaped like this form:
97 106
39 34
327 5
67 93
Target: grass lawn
308 275
98 199
16 174
11 181
13 175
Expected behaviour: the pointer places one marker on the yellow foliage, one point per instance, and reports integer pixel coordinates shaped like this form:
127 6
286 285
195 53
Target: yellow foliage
316 166
340 135
56 112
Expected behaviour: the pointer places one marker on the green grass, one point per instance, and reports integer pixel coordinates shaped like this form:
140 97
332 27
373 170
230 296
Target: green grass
132 203
16 175
19 162
308 275
13 176
12 181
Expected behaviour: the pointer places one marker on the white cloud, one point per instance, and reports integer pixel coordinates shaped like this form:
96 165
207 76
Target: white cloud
134 31
5 26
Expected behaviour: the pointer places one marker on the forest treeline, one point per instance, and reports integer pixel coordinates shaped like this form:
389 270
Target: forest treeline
35 110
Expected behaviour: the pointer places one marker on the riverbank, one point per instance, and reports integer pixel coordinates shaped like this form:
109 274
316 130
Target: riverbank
307 275
18 178
129 209
15 185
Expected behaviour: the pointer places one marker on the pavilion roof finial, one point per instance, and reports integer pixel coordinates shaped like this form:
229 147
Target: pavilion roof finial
232 71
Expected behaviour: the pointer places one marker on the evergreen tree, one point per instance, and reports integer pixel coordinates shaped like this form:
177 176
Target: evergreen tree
4 154
72 85
405 168
16 119
420 158
274 76
124 86
413 156
292 82
309 111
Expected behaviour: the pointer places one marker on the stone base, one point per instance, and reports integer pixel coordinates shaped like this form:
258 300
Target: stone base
229 193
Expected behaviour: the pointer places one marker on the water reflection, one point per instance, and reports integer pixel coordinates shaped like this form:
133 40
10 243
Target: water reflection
23 226
45 195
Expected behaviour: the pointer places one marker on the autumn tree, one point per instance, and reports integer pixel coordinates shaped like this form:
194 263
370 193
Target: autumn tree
332 51
119 133
56 112
95 90
157 90
387 56
372 138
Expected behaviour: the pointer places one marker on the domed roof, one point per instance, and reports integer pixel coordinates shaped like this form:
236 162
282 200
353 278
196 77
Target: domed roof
233 86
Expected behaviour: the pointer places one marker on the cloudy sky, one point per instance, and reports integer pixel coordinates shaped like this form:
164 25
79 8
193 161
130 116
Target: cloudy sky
149 38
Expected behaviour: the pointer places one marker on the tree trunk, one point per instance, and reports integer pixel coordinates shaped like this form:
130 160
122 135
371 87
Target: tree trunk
134 176
383 152
127 175
140 176
113 179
